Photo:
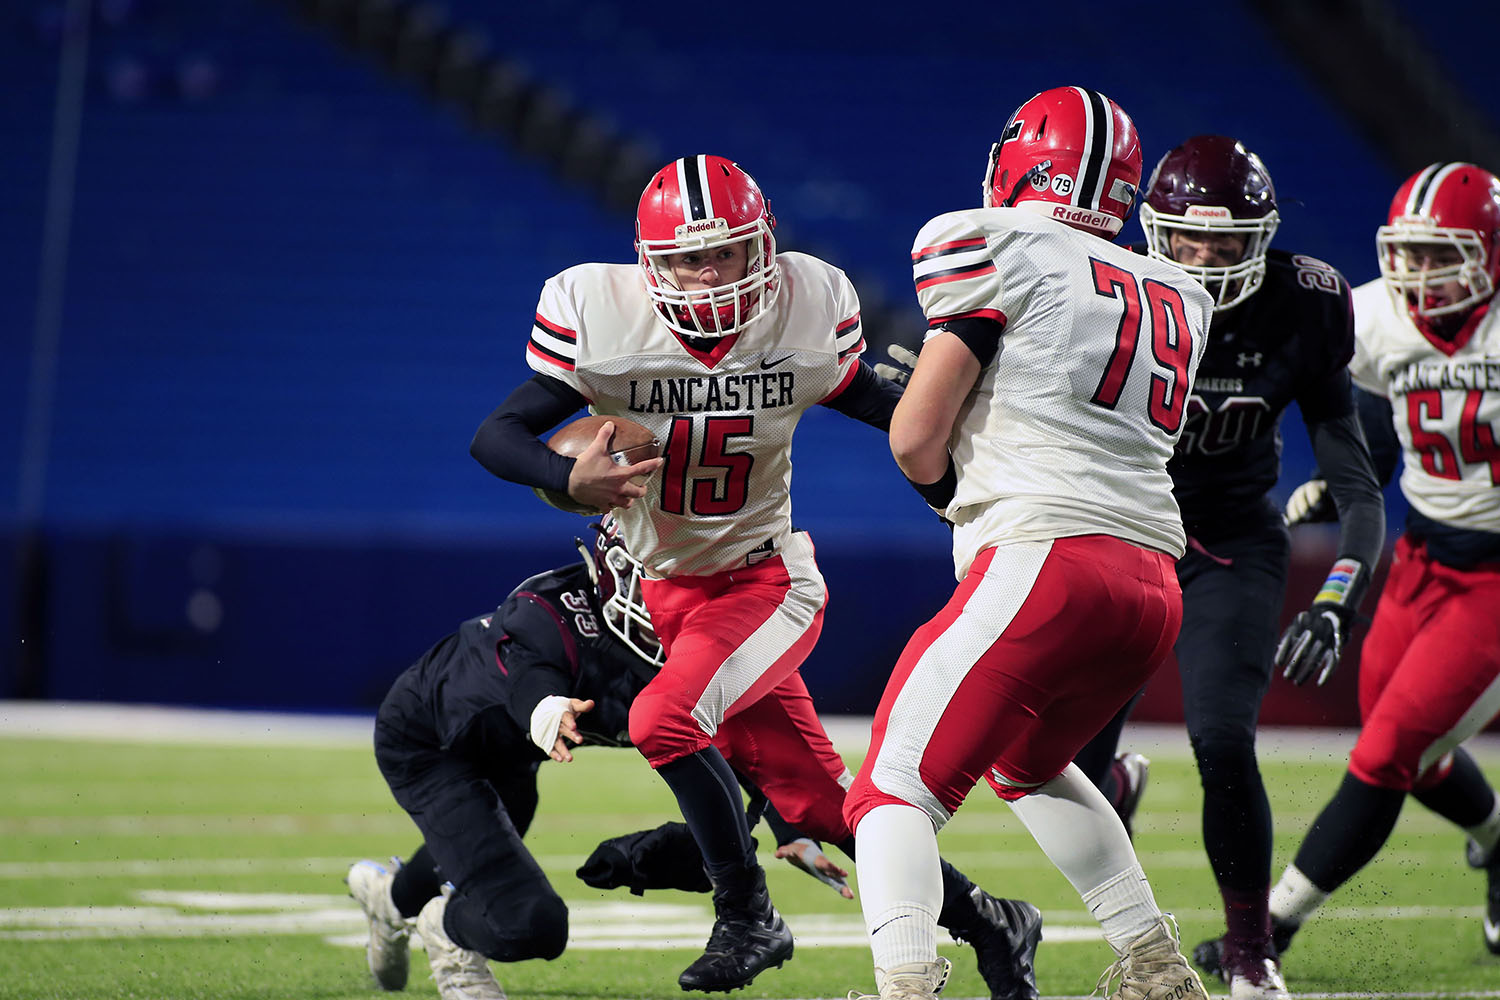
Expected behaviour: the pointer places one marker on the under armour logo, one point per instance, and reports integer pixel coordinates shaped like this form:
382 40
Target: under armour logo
1250 360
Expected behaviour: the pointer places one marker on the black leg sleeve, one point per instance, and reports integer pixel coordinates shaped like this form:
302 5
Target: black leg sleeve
712 806
1351 829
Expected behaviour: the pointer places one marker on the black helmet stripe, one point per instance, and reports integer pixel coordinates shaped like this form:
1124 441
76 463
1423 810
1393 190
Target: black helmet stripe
1427 186
692 179
1099 139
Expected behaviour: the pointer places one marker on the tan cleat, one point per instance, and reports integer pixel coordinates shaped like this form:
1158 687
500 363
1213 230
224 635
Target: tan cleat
1153 966
912 981
389 948
460 974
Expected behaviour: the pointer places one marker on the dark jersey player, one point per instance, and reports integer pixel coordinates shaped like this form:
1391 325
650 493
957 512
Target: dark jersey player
1282 332
459 738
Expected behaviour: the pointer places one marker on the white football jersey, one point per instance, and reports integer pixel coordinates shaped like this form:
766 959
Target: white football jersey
1445 404
725 418
1069 429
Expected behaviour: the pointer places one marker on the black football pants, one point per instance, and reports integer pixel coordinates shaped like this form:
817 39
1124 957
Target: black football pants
473 804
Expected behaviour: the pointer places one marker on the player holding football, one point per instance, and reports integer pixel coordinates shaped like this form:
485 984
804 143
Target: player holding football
717 344
1427 364
1039 420
1283 331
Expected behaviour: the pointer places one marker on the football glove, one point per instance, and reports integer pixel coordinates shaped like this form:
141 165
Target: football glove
1310 503
900 373
1312 644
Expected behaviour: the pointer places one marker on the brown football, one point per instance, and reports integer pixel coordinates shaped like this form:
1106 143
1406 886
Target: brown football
629 444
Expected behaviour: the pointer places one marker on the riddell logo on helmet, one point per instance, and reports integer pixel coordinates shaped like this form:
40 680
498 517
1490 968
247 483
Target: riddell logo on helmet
1207 212
1082 216
702 229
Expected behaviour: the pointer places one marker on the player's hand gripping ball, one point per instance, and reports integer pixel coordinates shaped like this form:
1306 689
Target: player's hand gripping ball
630 443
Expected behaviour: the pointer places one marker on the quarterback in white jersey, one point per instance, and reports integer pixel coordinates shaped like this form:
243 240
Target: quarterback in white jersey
724 409
1039 420
1427 362
718 345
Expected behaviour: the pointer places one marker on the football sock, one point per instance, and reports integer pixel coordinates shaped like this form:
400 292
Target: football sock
1071 820
900 885
1295 897
415 883
1246 915
1465 799
1487 833
1124 907
709 796
1350 830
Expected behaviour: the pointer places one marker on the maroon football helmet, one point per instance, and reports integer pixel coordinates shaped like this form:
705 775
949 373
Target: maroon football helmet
698 203
1212 184
617 576
1443 230
1071 154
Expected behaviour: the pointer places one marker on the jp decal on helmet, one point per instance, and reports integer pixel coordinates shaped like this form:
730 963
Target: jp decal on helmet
1071 154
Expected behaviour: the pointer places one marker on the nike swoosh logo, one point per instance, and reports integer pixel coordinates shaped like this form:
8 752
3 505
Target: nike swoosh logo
888 923
772 364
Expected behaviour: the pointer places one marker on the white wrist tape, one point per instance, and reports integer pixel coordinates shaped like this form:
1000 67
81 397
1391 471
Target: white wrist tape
546 719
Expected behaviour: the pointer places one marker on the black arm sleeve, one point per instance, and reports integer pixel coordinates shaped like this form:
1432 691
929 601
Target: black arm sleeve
536 656
1380 431
979 334
868 398
1344 459
507 444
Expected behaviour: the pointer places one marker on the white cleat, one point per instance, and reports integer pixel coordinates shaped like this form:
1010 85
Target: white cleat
1256 979
389 947
460 974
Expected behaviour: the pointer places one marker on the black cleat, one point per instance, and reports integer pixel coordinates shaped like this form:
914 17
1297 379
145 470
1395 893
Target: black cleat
1209 955
1004 937
749 937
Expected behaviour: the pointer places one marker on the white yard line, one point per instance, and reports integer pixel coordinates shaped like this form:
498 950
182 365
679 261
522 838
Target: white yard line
171 724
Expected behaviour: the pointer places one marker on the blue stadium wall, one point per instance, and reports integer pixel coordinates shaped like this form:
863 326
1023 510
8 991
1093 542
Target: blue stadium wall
293 285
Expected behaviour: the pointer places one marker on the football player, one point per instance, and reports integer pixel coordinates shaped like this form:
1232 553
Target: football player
718 344
1427 368
1039 419
459 739
1282 333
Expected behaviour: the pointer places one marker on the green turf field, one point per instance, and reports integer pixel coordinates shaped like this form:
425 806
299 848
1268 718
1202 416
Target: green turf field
164 871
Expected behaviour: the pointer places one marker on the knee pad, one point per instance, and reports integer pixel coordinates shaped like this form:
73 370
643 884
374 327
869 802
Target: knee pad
1378 762
1225 764
547 918
535 928
662 726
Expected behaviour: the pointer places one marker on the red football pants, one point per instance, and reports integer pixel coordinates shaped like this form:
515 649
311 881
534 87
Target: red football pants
734 641
1039 646
1429 672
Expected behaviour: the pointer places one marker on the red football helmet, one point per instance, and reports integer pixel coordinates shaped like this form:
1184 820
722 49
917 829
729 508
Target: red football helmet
617 576
1451 212
1212 184
1071 154
692 205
